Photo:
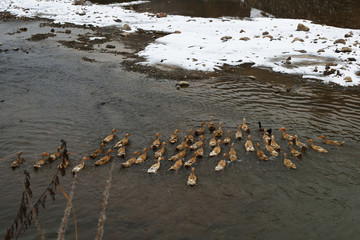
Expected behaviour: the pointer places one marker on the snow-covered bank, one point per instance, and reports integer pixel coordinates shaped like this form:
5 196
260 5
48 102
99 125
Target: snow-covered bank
326 53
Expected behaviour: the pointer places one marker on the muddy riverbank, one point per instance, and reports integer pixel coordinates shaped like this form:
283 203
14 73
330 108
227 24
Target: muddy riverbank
50 90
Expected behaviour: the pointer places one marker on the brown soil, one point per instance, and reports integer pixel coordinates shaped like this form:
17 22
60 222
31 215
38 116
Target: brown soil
41 36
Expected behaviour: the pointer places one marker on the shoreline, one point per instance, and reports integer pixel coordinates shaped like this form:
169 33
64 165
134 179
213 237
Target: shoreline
112 41
50 91
208 44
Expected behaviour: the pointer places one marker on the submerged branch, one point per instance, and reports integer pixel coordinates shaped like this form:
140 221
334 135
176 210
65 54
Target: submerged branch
34 213
106 197
67 212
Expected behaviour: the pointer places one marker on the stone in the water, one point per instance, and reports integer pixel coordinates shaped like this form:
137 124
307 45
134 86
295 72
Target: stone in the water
86 59
126 27
23 29
251 77
348 79
110 46
321 50
67 31
182 84
265 33
302 27
125 34
342 41
351 59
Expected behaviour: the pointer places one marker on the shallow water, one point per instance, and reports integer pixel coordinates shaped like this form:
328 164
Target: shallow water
338 13
50 93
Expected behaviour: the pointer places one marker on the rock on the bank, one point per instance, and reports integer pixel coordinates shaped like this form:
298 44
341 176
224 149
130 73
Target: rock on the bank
302 27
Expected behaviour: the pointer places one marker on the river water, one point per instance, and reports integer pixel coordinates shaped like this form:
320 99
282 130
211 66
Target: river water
50 93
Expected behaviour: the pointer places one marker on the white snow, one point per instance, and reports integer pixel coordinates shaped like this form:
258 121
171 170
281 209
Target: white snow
96 38
201 45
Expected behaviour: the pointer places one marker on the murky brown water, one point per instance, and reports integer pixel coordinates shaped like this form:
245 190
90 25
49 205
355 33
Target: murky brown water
50 93
338 13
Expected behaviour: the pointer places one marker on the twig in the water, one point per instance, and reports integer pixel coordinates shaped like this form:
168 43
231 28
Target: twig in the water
23 213
28 200
26 211
102 214
66 213
72 208
41 201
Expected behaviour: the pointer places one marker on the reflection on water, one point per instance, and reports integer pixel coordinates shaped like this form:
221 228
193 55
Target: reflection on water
51 93
338 13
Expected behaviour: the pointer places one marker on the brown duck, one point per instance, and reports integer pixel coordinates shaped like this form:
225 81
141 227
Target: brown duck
317 148
16 163
98 151
285 135
200 130
331 142
192 178
261 155
222 163
156 143
104 159
110 137
42 161
211 124
55 156
174 137
142 157
123 142
130 161
288 163
227 139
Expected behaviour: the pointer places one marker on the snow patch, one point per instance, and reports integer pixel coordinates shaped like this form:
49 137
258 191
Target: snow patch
207 44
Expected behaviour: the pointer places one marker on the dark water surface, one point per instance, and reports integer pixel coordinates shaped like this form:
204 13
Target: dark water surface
50 93
340 13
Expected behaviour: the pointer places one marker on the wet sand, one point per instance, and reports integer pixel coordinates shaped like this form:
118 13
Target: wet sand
51 91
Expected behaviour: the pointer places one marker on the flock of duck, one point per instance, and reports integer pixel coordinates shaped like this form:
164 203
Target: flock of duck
188 142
